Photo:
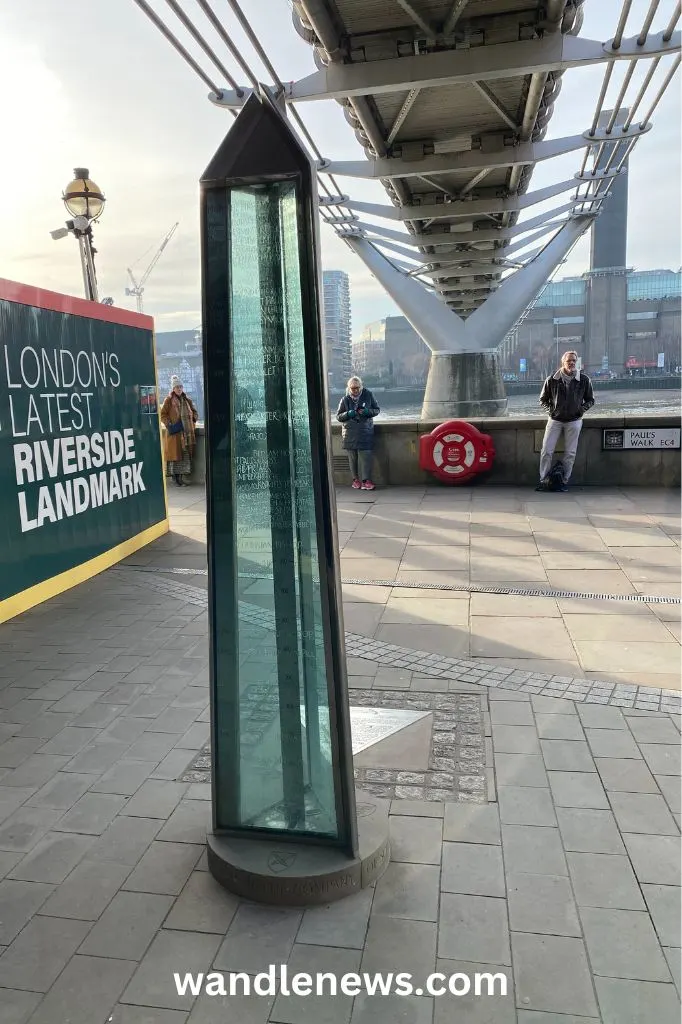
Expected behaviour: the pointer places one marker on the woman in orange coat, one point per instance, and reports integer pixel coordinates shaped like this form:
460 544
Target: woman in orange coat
179 416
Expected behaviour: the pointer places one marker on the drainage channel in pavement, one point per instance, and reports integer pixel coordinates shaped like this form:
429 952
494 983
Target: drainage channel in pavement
469 588
590 691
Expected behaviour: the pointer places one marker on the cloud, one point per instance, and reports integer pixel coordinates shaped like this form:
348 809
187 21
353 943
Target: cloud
169 320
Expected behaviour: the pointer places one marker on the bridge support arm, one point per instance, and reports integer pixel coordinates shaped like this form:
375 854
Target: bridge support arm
491 321
440 328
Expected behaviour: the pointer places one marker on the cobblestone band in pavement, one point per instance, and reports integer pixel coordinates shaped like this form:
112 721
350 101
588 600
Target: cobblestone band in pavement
590 691
454 771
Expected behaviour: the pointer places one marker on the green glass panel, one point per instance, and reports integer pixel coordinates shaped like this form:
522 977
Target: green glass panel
285 779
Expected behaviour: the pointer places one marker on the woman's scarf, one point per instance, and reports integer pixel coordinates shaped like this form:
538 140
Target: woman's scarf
187 424
187 419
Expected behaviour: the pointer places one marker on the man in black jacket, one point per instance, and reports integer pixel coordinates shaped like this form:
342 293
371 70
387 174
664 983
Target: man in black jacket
566 396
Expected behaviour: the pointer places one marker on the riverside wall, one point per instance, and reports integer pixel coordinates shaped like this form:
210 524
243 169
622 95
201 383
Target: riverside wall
517 442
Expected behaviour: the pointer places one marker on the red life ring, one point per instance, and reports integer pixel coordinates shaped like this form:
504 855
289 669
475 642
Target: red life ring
455 451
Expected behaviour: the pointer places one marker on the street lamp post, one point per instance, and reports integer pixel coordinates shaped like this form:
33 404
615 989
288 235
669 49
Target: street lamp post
85 201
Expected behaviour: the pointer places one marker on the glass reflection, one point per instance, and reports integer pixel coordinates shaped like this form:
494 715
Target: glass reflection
285 776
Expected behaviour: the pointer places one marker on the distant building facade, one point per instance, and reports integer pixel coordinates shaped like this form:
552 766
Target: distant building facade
179 352
390 352
337 326
615 319
369 351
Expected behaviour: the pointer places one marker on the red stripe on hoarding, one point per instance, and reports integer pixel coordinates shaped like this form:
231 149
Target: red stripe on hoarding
28 295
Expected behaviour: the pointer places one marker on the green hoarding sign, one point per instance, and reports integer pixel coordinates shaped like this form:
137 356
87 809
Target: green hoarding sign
81 477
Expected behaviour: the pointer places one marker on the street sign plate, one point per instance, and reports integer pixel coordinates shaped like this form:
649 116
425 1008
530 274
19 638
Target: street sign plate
633 438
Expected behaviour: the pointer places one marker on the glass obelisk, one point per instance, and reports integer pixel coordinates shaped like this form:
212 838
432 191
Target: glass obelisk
281 748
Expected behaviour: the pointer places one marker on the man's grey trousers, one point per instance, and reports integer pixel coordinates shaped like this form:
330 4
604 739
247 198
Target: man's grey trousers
549 442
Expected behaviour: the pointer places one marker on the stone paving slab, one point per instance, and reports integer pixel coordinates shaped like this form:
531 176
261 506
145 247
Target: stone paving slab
421 520
104 890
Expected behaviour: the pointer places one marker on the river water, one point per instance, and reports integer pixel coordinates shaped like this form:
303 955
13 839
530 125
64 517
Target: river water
634 403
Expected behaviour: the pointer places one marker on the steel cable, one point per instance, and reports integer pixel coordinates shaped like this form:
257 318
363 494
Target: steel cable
218 26
632 143
602 97
617 39
198 38
613 118
659 95
670 28
622 21
642 90
621 95
267 63
279 85
253 39
651 13
165 31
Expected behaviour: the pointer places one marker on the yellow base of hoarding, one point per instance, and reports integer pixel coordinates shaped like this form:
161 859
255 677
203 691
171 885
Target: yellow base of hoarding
18 603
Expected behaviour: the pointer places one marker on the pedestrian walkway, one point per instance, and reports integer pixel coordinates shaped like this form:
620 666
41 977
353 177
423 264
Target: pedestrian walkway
606 543
531 834
621 546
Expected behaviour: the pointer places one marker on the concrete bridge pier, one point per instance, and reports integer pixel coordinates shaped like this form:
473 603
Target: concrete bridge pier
464 384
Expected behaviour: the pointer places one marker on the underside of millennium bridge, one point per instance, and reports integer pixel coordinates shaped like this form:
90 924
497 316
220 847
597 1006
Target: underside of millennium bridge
450 102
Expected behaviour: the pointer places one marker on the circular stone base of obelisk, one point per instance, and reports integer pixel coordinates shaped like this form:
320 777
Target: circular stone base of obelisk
296 874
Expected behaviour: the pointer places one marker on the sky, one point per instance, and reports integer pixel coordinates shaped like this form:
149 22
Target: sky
96 85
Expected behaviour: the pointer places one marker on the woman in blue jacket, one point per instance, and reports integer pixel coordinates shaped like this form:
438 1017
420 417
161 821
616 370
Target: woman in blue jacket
356 412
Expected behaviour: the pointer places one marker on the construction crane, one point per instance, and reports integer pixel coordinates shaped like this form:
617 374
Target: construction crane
138 286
